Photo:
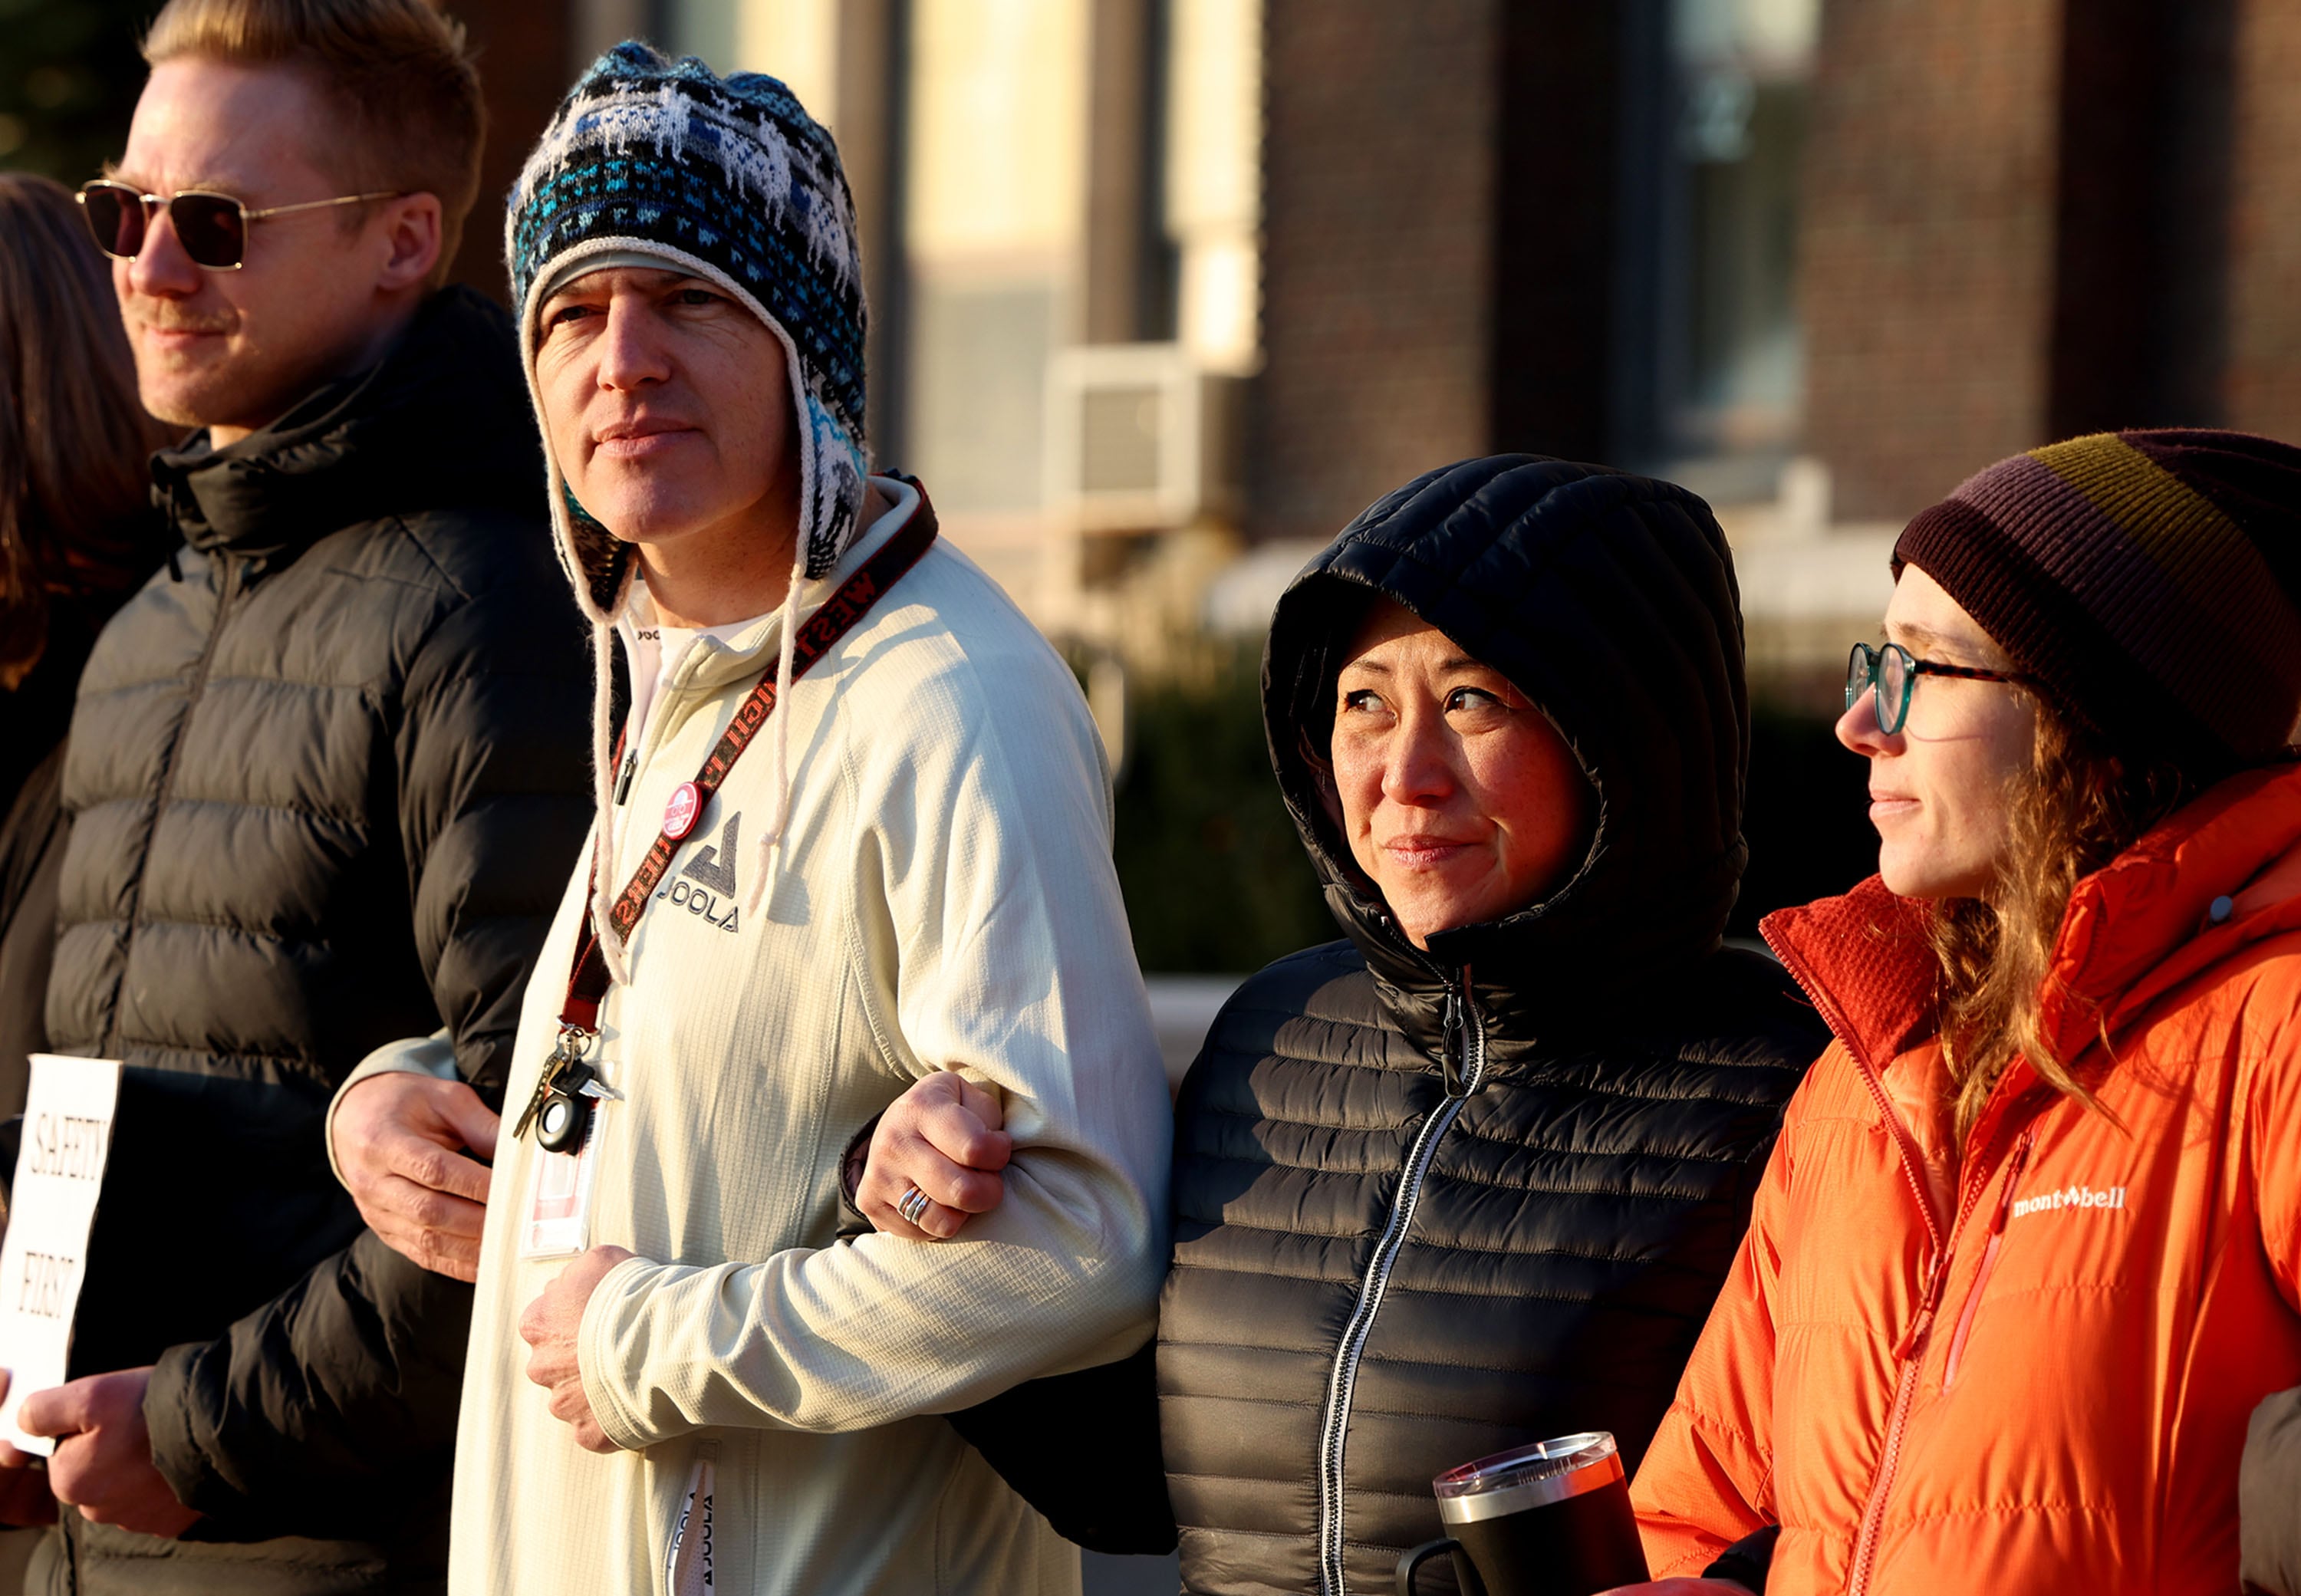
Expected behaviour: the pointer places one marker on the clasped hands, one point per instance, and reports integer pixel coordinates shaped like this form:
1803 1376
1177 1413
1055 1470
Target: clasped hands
404 1144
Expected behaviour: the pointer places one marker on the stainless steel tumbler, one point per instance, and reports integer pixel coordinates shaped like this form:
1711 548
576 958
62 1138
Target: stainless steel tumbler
1549 1519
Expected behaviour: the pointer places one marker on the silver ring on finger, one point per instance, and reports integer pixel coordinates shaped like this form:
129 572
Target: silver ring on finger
913 1205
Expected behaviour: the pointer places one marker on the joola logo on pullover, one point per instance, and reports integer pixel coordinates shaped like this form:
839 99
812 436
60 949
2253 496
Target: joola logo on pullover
707 886
2070 1197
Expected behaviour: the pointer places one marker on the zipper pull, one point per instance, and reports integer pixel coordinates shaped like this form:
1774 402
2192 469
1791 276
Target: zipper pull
2014 1167
623 781
1463 1074
1913 1340
1450 1036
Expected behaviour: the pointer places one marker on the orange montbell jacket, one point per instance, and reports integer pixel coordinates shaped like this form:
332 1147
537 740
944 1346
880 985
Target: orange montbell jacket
2024 1364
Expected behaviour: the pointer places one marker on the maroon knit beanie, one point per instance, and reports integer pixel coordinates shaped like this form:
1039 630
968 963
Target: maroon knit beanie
2149 579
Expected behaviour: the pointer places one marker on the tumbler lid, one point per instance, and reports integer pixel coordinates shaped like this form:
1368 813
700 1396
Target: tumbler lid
1528 1476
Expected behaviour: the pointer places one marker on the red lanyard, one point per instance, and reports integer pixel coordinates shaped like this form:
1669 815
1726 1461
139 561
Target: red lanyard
587 982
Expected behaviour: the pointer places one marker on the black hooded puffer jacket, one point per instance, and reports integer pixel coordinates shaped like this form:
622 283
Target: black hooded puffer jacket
1428 1206
326 780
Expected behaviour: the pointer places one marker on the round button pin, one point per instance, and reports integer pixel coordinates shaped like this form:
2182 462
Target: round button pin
680 815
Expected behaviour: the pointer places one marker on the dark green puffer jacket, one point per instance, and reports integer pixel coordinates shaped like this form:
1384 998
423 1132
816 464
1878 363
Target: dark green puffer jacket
326 780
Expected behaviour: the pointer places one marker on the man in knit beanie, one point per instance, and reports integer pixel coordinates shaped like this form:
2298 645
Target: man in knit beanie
680 1375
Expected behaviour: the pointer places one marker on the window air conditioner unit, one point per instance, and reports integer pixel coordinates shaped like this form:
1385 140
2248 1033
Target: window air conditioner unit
1139 439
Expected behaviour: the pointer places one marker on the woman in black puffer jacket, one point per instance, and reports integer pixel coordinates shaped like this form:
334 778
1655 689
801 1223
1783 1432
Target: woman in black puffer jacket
1473 1177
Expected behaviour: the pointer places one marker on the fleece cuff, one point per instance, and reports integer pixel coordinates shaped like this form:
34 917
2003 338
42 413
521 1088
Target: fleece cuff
621 1289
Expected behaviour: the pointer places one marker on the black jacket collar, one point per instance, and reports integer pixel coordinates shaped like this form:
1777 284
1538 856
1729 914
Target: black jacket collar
442 421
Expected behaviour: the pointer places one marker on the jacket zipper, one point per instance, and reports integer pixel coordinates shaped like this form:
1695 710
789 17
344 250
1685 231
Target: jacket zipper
2014 1168
1911 1347
1462 1021
1908 1354
195 690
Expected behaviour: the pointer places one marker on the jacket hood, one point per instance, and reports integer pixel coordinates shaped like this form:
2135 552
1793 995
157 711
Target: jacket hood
1610 600
439 422
2218 875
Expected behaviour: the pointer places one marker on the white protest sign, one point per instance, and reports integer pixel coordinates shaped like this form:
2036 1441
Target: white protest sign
59 1174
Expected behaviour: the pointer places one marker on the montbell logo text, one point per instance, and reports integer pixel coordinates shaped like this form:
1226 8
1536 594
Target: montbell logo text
2070 1197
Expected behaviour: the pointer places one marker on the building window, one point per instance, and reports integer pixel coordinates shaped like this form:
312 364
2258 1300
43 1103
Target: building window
1723 383
993 197
1212 156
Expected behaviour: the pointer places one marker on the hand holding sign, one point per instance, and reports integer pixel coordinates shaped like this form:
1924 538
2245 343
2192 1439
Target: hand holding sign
25 1498
93 1428
103 1462
59 1174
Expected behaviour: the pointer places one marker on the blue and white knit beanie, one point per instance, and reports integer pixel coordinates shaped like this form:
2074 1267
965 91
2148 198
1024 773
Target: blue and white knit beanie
729 179
661 163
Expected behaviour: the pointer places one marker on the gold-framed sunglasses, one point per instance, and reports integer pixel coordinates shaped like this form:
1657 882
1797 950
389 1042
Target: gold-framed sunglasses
213 228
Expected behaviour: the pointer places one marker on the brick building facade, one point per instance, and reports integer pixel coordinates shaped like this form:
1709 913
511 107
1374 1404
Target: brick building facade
2026 220
2017 220
1819 258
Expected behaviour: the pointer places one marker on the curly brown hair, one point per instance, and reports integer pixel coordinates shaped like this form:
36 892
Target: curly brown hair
2076 807
75 485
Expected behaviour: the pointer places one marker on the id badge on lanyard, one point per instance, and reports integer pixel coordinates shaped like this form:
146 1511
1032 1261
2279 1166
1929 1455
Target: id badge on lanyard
555 1218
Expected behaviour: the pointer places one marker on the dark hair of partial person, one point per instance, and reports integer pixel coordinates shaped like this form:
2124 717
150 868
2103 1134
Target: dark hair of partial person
75 442
397 76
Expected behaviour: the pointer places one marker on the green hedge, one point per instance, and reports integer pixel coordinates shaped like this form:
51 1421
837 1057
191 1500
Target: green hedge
1213 872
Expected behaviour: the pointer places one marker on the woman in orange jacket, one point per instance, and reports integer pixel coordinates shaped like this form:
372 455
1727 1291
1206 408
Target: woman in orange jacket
2029 1252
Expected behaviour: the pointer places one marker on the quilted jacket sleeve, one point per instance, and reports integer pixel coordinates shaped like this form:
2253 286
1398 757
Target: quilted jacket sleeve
493 806
1703 1486
329 1411
2269 1480
300 1416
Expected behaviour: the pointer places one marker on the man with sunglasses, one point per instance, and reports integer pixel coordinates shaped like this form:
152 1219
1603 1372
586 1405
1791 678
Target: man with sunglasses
326 778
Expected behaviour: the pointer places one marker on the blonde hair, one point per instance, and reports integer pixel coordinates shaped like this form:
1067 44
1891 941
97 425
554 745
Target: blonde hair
75 516
2076 807
399 69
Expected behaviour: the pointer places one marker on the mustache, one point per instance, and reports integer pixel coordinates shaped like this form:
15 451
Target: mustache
167 318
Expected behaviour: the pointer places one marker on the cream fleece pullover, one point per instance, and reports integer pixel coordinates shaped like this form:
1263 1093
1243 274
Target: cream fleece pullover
944 899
